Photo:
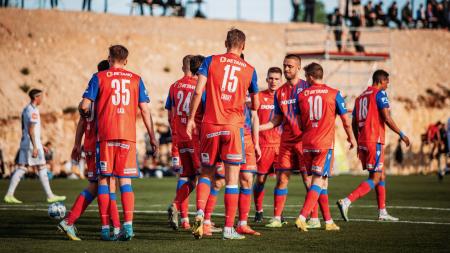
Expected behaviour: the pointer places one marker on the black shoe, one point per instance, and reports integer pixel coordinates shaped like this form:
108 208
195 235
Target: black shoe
259 217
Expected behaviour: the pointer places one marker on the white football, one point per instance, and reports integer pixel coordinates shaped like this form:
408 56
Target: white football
57 210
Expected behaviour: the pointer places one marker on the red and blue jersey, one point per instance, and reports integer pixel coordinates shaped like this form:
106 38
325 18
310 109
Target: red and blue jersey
318 106
368 106
90 131
228 79
285 102
248 121
269 138
117 94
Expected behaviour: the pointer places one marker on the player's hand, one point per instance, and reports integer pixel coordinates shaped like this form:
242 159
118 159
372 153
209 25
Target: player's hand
34 154
257 152
45 149
155 147
76 153
351 142
405 139
190 127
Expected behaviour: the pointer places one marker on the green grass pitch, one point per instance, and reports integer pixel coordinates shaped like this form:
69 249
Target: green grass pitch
421 203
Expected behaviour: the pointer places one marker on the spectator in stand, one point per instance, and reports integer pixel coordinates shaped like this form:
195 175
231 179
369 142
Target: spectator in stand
381 15
296 7
86 5
54 3
310 6
336 20
431 16
199 13
4 3
441 16
421 17
393 15
407 17
355 33
369 14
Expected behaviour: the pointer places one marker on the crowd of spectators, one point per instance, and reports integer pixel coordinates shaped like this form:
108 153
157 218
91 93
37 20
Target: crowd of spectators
430 14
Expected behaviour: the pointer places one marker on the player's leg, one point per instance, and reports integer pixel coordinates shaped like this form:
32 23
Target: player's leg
113 210
218 183
13 183
369 159
264 166
306 163
174 207
317 183
381 190
43 177
105 163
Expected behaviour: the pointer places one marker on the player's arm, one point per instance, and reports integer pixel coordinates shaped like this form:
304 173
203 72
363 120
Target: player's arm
89 95
84 107
76 150
148 122
274 122
355 127
341 110
393 126
253 91
195 102
31 126
255 133
168 107
383 106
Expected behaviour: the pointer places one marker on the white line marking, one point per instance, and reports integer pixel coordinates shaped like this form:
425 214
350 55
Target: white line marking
222 215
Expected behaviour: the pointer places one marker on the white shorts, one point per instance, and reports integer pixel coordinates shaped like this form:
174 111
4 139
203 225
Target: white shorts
26 157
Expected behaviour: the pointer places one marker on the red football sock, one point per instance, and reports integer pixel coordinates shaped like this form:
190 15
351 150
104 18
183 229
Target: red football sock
184 207
127 196
81 203
203 189
211 204
182 197
324 205
113 211
279 196
103 204
362 190
231 204
311 200
381 195
258 196
245 202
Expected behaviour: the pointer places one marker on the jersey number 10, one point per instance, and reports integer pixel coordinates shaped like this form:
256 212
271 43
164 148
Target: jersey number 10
121 92
315 107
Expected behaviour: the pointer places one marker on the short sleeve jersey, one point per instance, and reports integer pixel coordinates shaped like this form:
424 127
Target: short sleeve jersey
285 102
30 115
248 121
318 107
117 94
90 131
266 112
371 128
228 79
178 102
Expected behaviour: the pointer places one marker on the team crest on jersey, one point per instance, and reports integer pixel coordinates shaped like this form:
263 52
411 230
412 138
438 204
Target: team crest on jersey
265 99
103 166
109 74
205 157
306 92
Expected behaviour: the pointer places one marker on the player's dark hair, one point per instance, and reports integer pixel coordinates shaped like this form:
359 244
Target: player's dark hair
118 52
274 70
315 70
294 56
103 65
379 75
195 63
235 38
34 93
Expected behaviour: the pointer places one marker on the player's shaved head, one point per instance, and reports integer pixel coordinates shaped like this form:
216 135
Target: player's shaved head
103 65
235 39
379 76
294 57
187 62
314 70
195 63
118 53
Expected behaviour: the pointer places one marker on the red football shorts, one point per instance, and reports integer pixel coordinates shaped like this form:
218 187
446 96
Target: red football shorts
221 143
371 156
319 162
118 158
91 162
250 156
290 158
268 161
190 159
